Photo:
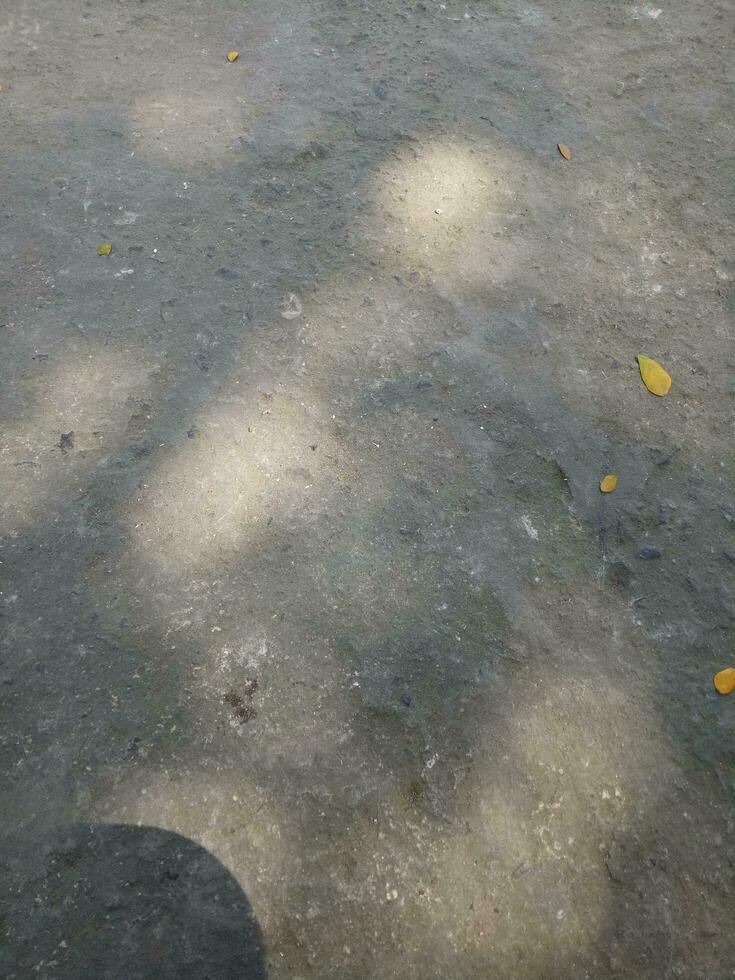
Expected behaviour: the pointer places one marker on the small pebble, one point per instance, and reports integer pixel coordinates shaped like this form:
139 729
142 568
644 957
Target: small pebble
708 927
648 552
729 554
225 273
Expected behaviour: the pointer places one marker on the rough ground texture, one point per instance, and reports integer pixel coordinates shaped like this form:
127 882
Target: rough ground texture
322 654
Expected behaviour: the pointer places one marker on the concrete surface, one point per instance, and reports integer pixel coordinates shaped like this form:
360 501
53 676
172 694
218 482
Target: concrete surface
303 555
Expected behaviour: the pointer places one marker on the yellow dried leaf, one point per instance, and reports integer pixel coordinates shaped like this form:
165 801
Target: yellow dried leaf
564 150
725 681
608 483
654 377
105 248
2 88
233 55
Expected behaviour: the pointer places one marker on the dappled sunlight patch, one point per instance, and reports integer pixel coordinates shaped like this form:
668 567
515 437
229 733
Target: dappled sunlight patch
66 423
248 461
587 718
478 215
498 886
558 779
432 200
580 317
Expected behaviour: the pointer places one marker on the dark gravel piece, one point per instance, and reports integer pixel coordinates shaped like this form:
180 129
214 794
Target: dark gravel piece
648 553
224 273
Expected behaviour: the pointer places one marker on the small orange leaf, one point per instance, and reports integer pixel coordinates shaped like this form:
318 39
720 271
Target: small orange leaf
725 681
564 150
654 377
105 248
233 55
608 483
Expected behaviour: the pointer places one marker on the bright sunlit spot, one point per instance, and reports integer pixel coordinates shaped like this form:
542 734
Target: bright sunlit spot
433 202
73 421
247 460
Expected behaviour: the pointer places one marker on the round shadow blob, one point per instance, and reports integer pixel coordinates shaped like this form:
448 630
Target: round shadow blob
116 902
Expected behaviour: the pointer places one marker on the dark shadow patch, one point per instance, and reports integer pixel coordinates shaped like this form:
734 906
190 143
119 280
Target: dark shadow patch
118 901
242 704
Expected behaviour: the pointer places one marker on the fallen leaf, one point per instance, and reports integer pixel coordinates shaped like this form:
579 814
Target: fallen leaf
564 150
104 249
2 88
233 55
725 681
654 377
608 483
